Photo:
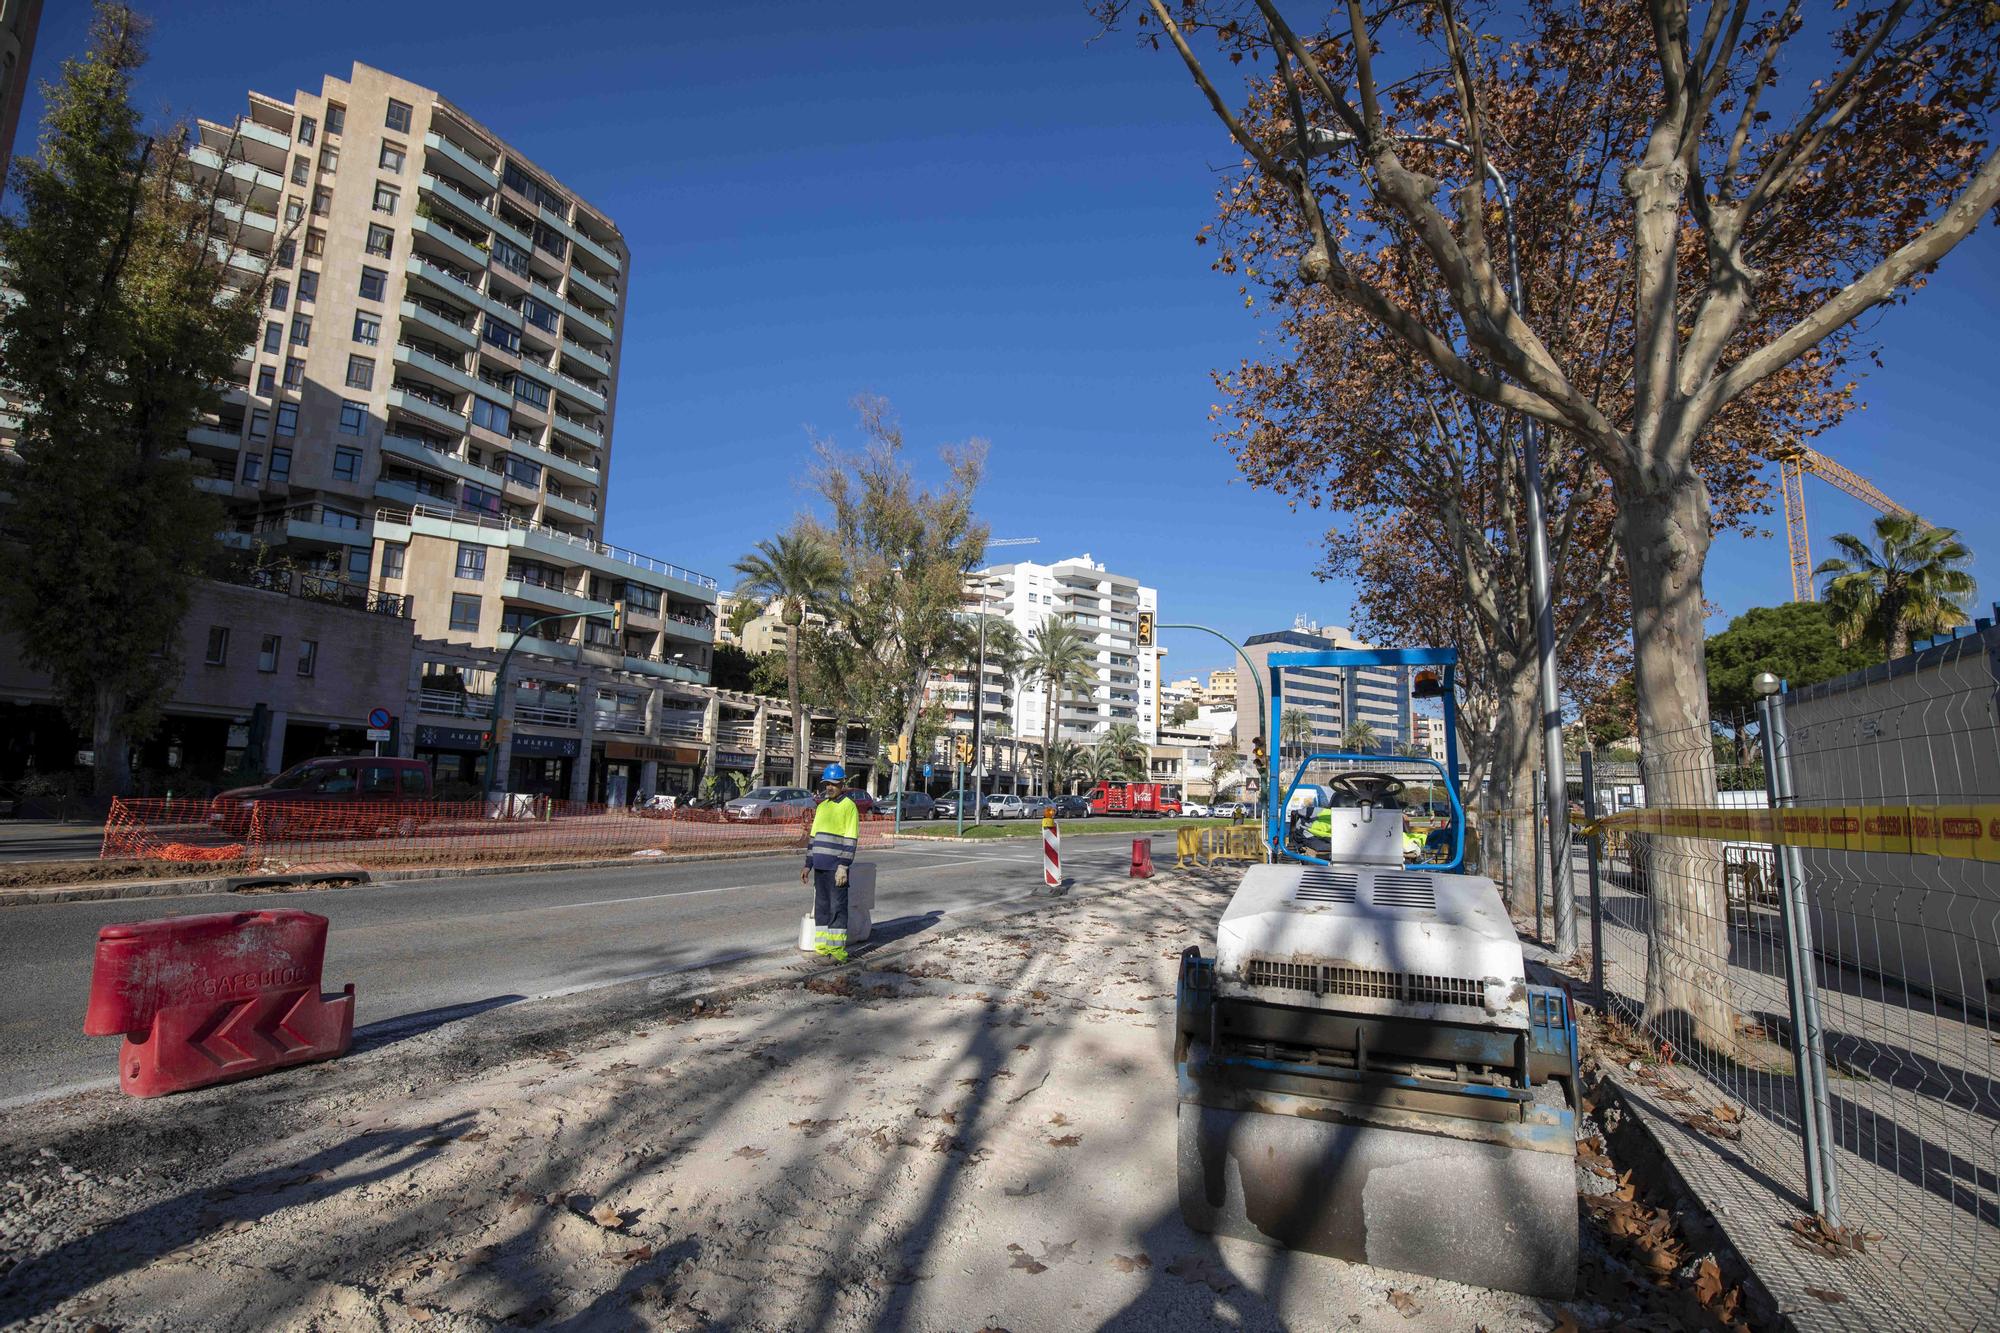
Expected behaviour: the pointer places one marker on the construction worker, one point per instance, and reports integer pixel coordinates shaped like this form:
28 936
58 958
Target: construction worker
1437 847
1413 841
1319 831
836 828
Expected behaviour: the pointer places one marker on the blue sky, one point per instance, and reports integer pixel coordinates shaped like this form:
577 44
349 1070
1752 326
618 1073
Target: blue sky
990 221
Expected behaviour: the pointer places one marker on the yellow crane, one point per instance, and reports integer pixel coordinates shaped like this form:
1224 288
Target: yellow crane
1792 468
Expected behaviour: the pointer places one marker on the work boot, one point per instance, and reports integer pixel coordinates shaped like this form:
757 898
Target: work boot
835 954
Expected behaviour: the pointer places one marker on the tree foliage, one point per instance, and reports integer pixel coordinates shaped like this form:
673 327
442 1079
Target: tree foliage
1795 642
799 573
1059 657
1912 581
125 328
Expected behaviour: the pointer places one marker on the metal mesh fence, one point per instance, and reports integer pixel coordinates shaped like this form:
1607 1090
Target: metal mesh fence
369 835
1826 1014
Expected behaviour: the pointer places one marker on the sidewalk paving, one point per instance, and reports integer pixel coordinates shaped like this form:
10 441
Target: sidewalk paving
974 1129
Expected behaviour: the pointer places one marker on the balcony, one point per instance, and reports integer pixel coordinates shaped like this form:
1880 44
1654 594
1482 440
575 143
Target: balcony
665 669
568 508
454 282
585 244
215 485
592 287
582 393
600 327
454 703
218 438
434 230
564 547
573 429
248 172
693 628
426 410
680 724
536 593
585 357
418 360
436 319
468 165
545 714
315 525
738 736
264 134
620 724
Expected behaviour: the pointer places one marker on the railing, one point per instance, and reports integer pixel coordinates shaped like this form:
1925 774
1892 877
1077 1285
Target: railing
690 727
621 723
545 716
446 450
422 353
470 323
523 525
699 622
463 277
455 703
443 402
741 735
483 201
311 587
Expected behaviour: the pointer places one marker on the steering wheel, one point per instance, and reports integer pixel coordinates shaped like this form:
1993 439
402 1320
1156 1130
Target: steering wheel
1356 789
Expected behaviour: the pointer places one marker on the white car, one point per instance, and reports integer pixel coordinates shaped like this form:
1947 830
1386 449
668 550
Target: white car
1005 806
1194 810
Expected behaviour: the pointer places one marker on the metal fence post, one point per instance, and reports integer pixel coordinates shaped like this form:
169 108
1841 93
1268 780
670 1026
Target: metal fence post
1593 846
1535 804
1801 984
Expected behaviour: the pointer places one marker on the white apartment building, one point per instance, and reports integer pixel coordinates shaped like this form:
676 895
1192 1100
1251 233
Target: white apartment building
1106 607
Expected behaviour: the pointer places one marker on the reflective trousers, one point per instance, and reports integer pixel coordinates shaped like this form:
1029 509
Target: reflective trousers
829 905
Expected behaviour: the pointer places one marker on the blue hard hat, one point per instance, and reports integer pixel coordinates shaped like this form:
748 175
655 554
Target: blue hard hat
833 773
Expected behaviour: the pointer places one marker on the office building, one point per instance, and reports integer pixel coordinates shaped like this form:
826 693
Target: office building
1106 607
1334 698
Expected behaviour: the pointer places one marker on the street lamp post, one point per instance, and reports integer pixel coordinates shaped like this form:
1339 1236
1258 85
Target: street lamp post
1555 792
500 686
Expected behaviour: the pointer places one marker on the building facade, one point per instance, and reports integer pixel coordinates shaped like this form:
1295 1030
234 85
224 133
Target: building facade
1221 687
1105 607
1333 698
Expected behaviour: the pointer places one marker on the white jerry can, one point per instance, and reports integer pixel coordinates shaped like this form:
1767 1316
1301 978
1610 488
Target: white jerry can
860 908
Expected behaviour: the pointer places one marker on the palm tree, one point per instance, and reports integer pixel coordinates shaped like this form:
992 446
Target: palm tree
798 572
1913 582
1059 656
1065 760
1359 738
1122 740
1295 729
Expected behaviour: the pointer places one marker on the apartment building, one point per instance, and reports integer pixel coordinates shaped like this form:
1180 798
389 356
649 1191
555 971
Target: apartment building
1106 607
1221 688
1334 698
428 410
1427 735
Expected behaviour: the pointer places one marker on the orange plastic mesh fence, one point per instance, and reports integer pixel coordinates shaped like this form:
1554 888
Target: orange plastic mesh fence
384 834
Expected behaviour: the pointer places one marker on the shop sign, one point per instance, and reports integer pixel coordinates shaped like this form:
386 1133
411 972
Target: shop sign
662 754
465 740
528 746
727 759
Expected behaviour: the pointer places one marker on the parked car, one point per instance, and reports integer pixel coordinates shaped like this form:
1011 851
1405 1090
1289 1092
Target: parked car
946 806
1194 809
916 805
772 803
1071 807
1004 805
863 801
1034 807
337 794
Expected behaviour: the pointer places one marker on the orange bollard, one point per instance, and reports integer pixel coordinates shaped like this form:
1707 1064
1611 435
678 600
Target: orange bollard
1142 858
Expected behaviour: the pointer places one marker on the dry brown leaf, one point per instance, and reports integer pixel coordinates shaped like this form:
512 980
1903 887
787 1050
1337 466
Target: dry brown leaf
1405 1304
418 1314
1830 1297
638 1254
1023 1046
1059 1120
747 1151
476 1136
1565 1323
1707 1281
1066 1141
1131 1263
1026 1262
607 1217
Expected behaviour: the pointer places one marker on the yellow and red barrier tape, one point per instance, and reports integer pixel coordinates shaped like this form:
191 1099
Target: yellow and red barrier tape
1961 832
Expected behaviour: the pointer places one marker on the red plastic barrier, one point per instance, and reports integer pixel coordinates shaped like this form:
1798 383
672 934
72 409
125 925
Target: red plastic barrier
212 999
1142 858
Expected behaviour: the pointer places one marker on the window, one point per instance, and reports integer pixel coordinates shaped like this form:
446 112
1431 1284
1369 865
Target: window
281 292
288 419
322 201
308 656
535 190
414 783
267 652
260 424
491 415
530 392
218 645
510 255
253 468
540 315
294 210
392 559
503 335
475 496
281 458
398 118
308 284
336 118
386 197
471 560
295 372
306 127
465 612
515 622
338 518
374 282
378 780
329 158
302 330
360 372
367 328
392 157
527 473
274 336
357 563
301 168
353 421
641 598
288 250
267 381
315 243
381 241
347 462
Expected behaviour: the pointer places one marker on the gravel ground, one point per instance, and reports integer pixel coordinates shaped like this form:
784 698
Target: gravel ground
974 1132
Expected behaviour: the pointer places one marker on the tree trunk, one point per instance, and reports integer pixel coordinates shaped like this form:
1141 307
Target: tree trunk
1515 732
1048 744
111 758
1665 536
801 727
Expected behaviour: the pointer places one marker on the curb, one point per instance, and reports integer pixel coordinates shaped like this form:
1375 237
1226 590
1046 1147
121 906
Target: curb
176 888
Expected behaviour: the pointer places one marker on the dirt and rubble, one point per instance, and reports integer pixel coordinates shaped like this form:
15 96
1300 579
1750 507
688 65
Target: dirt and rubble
974 1129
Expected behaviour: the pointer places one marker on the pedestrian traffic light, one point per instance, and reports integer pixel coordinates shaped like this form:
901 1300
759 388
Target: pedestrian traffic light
1145 629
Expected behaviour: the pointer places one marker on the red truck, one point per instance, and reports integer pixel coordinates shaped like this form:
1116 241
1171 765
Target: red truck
1153 800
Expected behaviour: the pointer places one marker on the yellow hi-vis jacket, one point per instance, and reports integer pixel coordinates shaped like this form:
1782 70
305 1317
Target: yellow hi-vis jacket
1322 824
835 832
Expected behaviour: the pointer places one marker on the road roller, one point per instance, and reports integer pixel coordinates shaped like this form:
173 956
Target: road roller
1363 1069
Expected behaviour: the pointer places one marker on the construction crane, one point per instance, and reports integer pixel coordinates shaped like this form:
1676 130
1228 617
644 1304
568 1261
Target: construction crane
1792 468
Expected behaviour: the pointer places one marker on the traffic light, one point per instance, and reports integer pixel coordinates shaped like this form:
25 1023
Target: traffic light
1145 629
964 749
896 752
618 617
1258 753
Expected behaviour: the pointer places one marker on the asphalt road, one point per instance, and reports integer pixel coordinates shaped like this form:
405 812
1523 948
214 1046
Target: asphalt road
39 840
428 950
